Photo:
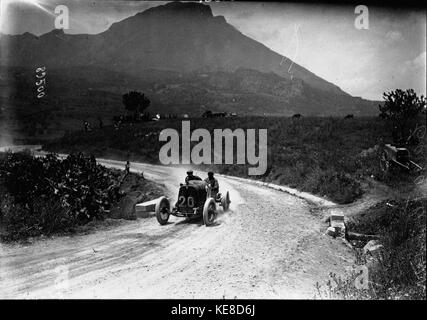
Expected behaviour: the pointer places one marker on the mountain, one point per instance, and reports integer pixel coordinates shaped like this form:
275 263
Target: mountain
184 58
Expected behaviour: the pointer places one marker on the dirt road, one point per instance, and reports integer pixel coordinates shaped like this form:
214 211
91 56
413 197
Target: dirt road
268 246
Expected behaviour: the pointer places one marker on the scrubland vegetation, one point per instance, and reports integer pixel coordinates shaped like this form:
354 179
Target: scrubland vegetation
331 157
46 195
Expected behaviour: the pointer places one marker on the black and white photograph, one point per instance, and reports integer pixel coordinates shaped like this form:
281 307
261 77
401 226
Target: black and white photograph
212 150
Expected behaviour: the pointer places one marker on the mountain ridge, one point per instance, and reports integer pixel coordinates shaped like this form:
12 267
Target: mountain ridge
176 37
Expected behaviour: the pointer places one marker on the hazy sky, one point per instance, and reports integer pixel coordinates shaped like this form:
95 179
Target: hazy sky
390 54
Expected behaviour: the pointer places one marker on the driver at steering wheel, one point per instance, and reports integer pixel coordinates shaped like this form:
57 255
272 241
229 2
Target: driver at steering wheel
190 176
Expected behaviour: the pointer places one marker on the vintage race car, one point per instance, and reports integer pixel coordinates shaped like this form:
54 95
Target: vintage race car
194 199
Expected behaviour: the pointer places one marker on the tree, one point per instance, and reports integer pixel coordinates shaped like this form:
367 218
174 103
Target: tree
207 114
135 102
400 108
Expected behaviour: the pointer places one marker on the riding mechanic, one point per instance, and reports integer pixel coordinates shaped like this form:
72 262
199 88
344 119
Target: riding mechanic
213 183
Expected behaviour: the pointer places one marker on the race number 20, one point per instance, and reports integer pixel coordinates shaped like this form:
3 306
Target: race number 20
190 201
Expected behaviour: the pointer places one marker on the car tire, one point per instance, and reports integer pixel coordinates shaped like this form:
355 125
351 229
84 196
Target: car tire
162 210
209 211
225 202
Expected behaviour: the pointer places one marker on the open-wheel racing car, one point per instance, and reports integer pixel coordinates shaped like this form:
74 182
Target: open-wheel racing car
195 198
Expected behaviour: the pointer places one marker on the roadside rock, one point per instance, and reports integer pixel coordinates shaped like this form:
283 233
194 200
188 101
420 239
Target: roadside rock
372 263
337 222
146 209
361 237
373 248
331 231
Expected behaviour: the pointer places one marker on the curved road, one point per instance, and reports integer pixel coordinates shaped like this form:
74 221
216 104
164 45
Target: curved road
268 246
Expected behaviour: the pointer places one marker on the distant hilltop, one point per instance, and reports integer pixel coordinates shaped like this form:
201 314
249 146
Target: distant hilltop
186 39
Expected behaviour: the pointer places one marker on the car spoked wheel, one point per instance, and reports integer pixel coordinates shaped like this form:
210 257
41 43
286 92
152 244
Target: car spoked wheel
225 202
209 212
162 210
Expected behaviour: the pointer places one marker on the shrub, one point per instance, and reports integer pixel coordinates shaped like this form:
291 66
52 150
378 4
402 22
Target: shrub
401 107
402 272
45 195
339 186
47 217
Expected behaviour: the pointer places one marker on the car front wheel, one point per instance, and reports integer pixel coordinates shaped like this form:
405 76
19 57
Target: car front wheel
225 201
162 210
209 212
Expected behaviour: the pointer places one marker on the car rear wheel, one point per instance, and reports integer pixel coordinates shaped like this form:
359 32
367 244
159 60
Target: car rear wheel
225 201
162 210
209 212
